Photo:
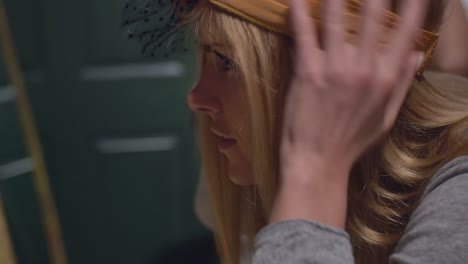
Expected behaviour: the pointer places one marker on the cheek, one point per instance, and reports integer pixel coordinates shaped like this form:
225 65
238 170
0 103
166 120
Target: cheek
237 113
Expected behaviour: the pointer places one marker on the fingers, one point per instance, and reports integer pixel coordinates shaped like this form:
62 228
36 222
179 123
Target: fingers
414 12
371 26
398 97
304 30
334 36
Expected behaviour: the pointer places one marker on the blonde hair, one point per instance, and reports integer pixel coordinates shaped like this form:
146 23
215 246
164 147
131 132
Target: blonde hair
386 183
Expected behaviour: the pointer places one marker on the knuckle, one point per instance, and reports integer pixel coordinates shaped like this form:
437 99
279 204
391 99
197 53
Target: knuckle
336 74
362 77
308 75
387 82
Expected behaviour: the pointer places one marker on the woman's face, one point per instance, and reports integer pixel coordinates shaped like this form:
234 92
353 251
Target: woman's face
220 95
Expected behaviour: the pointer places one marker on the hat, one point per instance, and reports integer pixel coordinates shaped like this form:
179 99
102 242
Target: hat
156 23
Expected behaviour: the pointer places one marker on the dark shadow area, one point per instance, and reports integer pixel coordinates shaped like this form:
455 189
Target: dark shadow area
197 250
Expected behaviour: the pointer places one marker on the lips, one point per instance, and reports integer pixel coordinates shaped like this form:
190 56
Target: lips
224 141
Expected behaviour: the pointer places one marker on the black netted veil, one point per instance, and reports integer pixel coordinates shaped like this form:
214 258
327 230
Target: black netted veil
155 24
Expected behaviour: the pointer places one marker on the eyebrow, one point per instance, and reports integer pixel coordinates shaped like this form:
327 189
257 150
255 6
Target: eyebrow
209 48
213 44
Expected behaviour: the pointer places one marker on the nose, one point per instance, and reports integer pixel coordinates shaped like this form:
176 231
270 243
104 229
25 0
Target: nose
200 100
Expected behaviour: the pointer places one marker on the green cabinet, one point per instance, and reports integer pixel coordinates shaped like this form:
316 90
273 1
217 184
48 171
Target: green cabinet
116 133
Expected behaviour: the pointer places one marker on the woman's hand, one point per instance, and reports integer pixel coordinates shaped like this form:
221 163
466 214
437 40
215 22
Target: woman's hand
343 98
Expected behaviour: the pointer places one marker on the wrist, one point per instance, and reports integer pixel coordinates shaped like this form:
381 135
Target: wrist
314 190
325 204
300 169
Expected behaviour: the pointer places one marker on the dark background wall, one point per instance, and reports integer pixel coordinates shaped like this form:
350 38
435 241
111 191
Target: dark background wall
116 132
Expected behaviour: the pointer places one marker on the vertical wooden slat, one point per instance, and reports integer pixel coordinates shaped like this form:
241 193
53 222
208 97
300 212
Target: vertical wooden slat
6 249
41 180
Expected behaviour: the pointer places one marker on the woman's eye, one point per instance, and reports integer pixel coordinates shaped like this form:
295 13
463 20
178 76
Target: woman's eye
227 63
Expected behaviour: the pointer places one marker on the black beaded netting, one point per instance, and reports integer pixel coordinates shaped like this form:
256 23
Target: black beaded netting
156 25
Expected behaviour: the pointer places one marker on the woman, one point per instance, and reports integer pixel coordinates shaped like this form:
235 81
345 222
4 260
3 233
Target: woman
330 128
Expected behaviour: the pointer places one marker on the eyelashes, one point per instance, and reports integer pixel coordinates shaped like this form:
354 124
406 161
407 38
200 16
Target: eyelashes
228 64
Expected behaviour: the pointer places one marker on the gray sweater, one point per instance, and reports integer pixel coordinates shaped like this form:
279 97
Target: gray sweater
437 231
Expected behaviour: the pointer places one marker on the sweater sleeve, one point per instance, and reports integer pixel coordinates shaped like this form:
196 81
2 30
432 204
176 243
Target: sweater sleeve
437 231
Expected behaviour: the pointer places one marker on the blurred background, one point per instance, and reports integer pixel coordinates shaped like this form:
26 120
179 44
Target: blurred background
116 135
117 140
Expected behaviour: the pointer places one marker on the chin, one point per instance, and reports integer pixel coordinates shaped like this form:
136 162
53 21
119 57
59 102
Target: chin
241 180
239 171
